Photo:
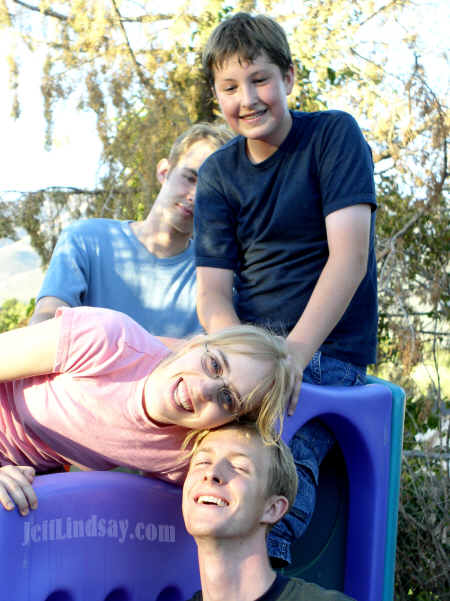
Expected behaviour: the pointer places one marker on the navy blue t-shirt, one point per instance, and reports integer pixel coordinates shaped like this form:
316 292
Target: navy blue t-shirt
266 222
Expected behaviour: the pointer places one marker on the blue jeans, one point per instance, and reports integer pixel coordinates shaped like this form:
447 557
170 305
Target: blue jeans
309 446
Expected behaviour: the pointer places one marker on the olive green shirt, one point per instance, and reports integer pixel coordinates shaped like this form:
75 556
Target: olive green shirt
294 589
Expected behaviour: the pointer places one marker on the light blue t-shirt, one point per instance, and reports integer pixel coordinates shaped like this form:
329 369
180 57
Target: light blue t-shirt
101 263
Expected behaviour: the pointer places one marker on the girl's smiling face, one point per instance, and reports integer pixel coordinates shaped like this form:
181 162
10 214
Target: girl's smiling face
203 388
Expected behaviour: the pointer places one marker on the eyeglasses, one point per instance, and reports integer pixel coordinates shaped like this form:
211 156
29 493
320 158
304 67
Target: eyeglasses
212 367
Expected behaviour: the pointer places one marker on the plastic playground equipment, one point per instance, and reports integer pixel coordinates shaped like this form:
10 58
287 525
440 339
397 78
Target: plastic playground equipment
110 536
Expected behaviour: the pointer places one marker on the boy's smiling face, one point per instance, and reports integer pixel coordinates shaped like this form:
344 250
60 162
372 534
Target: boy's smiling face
178 184
225 491
253 99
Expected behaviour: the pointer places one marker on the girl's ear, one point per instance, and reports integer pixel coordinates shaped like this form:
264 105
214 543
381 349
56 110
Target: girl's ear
162 170
276 507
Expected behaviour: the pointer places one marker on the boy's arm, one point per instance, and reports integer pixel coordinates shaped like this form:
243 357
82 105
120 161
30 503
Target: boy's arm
348 232
46 309
29 351
215 298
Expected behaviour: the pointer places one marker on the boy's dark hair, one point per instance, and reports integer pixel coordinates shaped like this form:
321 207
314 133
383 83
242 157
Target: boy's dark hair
246 36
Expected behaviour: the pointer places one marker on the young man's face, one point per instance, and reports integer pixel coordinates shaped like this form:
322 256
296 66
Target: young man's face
177 194
253 98
224 495
204 388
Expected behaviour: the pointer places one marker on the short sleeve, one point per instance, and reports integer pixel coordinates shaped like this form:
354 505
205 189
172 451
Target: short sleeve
68 271
345 165
214 221
94 341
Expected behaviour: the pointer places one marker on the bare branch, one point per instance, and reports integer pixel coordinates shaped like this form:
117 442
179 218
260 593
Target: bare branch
140 19
48 11
382 9
144 80
408 225
381 67
423 454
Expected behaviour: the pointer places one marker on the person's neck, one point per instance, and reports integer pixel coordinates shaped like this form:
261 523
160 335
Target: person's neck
159 238
259 150
233 571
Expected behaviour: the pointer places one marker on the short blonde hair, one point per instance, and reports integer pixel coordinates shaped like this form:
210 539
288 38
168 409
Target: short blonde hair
266 403
282 476
216 134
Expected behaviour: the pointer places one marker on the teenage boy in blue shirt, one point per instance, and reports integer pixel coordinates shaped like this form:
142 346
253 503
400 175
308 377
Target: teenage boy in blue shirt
143 268
284 231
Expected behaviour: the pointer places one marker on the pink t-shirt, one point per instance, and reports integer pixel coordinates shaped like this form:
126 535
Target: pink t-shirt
90 411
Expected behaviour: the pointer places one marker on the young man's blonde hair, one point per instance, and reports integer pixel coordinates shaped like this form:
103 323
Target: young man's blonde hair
266 403
282 476
217 134
247 37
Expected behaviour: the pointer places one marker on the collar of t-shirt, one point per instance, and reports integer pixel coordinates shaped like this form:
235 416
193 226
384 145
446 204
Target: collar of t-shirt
271 594
275 589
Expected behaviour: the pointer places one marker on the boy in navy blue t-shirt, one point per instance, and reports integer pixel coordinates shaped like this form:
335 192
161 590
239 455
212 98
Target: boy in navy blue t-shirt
284 231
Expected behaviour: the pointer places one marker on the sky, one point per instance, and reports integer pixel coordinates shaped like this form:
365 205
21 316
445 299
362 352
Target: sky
25 164
74 159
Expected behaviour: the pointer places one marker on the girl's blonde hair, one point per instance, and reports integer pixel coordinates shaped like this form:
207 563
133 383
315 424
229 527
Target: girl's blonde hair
266 403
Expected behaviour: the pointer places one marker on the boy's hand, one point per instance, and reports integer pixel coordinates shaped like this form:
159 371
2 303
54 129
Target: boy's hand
298 362
16 489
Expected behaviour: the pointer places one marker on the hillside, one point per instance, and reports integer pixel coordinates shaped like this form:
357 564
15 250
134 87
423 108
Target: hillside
20 272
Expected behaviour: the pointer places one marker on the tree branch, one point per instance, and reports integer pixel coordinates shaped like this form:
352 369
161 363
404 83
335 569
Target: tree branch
425 454
52 13
403 230
144 80
70 189
48 11
382 9
381 67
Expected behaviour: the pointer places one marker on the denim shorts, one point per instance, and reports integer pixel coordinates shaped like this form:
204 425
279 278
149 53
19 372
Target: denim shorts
309 446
